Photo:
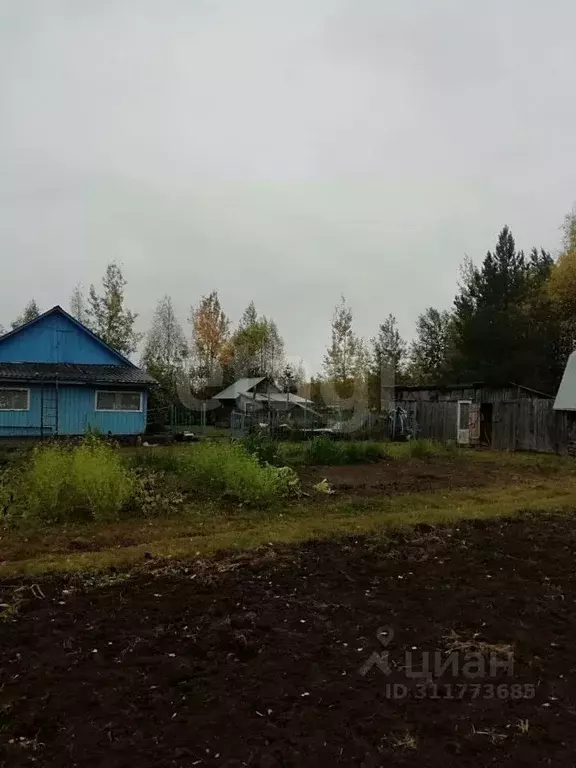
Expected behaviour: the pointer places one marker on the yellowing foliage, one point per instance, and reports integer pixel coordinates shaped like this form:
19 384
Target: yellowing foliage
562 282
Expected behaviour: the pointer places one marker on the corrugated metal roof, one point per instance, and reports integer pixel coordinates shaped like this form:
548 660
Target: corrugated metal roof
240 387
292 397
70 372
276 397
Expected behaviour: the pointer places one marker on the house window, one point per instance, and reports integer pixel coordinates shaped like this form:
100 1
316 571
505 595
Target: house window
118 401
14 399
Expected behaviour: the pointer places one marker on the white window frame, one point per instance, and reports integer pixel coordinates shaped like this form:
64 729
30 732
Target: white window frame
463 432
116 392
17 389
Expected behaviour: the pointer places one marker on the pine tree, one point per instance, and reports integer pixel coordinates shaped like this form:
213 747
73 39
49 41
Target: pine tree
486 314
31 312
107 316
495 339
430 352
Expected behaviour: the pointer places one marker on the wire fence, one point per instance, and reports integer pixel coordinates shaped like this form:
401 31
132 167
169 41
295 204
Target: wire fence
337 424
299 423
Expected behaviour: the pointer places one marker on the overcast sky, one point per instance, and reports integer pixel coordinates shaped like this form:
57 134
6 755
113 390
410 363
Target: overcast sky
284 151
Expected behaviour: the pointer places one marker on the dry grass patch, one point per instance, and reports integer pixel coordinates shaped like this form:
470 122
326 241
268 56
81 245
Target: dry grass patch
207 528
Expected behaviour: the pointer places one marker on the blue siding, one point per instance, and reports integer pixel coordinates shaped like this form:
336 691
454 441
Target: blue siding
22 423
55 339
76 412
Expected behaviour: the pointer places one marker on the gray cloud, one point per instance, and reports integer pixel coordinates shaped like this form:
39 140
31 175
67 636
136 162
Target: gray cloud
281 152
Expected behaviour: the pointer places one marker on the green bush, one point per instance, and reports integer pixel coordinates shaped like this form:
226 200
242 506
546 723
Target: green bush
63 483
324 451
214 470
227 470
258 444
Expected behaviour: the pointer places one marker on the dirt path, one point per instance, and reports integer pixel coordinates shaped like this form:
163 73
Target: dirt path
256 662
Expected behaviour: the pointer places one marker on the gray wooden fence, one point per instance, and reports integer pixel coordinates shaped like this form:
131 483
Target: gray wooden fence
528 424
531 425
437 421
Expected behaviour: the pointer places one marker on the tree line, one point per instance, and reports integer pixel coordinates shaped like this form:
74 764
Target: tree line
211 356
513 320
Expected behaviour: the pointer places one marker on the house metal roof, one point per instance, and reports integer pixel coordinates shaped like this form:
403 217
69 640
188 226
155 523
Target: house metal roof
277 397
74 373
240 387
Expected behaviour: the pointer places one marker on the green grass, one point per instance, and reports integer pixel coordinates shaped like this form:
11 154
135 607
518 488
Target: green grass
205 529
229 500
326 452
293 453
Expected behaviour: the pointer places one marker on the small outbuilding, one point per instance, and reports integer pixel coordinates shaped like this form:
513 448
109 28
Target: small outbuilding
58 378
506 417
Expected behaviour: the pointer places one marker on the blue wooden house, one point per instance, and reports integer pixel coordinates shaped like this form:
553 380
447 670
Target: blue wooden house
59 378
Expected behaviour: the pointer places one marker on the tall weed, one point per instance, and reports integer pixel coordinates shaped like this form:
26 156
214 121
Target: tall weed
63 483
227 470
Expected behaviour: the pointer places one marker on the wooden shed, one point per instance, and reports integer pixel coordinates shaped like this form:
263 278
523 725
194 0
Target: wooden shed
508 417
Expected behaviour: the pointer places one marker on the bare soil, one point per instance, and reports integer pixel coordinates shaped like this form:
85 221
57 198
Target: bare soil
255 660
416 475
